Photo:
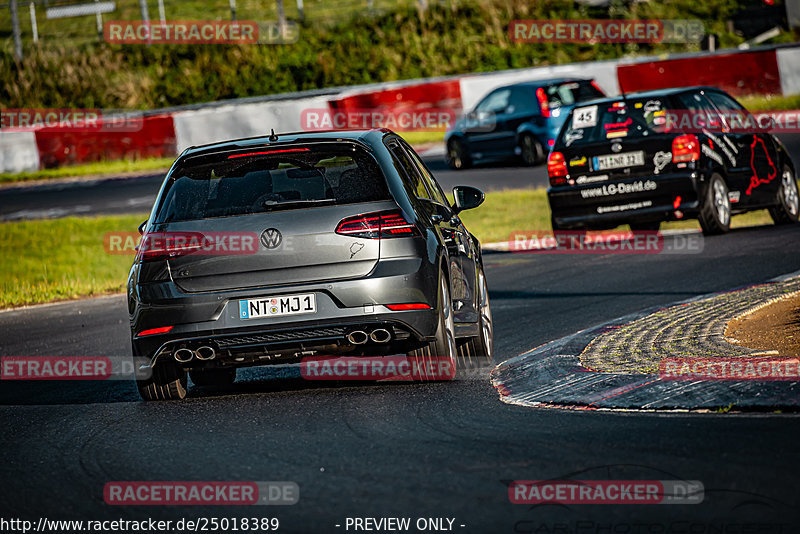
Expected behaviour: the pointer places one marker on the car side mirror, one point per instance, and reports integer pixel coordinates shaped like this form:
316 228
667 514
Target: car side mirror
141 227
467 197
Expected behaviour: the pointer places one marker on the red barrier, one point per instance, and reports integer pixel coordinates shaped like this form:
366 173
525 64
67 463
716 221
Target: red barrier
739 73
442 95
155 138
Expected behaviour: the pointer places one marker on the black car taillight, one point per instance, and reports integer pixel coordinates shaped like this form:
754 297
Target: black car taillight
685 148
557 168
377 225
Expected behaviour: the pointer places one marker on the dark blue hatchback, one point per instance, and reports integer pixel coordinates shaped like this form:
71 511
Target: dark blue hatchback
516 121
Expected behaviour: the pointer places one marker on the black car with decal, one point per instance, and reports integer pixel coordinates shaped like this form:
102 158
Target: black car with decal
667 155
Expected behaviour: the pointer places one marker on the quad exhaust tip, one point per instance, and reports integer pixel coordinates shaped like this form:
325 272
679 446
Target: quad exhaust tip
183 355
205 353
380 335
357 337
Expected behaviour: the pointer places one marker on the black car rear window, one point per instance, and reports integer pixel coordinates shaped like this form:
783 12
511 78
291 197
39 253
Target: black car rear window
624 118
262 179
567 94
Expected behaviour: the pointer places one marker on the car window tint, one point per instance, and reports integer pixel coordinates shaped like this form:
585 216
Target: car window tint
567 94
436 191
636 117
221 186
523 101
697 103
407 169
723 102
496 102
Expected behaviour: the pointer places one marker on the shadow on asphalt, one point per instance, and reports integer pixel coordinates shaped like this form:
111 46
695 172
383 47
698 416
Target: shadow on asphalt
251 381
546 294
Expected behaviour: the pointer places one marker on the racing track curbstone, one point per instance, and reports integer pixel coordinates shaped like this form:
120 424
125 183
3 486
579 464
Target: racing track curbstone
555 375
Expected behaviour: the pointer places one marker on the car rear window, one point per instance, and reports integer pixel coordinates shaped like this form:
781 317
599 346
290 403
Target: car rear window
567 94
261 180
625 118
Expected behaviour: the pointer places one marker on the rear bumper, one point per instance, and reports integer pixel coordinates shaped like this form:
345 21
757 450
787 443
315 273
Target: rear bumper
602 205
288 343
341 306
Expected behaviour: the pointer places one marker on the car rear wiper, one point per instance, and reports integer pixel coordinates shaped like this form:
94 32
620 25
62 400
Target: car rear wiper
274 203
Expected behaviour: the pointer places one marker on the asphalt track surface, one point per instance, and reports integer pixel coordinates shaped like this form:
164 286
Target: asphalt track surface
136 195
410 450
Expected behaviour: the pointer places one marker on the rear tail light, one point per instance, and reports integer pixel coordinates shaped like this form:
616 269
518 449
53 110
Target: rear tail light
151 331
168 245
685 148
543 102
377 225
557 168
268 152
410 306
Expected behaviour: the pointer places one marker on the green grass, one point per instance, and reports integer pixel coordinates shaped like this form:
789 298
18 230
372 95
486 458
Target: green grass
770 102
422 138
111 168
47 260
526 210
343 45
90 169
83 30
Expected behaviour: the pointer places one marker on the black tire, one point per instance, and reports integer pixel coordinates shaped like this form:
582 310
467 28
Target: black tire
531 150
554 224
787 209
443 348
646 227
167 382
457 155
213 377
478 351
715 213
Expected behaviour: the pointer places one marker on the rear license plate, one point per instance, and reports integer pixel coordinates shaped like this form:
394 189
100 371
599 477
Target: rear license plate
615 161
277 306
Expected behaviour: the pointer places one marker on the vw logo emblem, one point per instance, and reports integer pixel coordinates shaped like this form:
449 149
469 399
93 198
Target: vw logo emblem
616 147
271 238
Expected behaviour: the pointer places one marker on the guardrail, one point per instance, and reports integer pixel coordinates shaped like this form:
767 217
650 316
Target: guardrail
166 132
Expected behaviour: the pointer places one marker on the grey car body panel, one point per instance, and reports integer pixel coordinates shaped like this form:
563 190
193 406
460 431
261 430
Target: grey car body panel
198 295
309 250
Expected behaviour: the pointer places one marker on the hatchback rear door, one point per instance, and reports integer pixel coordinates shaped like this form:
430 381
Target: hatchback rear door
271 217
